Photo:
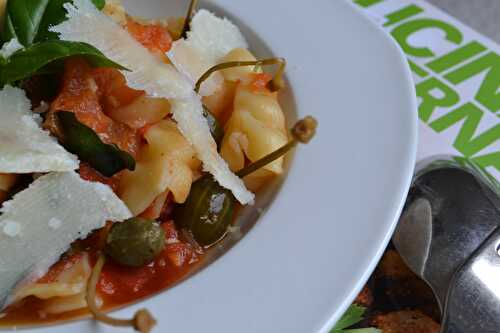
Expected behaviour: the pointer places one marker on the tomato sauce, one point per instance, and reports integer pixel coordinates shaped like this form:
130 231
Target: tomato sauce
118 285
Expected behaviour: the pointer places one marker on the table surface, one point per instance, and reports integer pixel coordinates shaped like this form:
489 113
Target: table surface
481 15
396 299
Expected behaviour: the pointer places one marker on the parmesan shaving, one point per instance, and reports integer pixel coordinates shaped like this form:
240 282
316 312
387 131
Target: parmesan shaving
39 224
10 48
192 124
208 42
86 24
146 72
24 146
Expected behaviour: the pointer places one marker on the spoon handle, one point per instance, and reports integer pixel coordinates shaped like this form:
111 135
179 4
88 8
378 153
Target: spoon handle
473 301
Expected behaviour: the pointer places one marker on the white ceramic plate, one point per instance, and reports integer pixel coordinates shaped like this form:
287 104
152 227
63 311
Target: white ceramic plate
303 263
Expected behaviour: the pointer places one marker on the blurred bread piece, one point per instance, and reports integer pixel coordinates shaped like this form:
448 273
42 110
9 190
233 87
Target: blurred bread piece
406 322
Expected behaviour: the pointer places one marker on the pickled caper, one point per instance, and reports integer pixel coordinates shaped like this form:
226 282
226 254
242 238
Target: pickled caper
207 212
135 242
209 208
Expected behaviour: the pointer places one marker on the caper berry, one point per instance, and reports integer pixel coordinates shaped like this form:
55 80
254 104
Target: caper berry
207 212
135 242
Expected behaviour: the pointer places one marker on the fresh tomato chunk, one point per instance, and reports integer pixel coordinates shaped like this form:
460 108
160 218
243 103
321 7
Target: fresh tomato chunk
80 95
153 37
259 81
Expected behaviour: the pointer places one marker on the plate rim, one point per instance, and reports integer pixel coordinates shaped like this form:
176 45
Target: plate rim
410 84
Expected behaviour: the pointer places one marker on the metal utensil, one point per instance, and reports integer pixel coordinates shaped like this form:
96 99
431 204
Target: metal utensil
473 302
451 217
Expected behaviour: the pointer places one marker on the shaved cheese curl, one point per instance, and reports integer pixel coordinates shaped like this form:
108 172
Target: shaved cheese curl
39 224
146 72
209 40
24 146
192 124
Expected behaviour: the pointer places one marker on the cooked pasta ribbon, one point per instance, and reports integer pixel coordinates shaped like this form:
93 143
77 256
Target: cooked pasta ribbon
166 163
67 291
256 128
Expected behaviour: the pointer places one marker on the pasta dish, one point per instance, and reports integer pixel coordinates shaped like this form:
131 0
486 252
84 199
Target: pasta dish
127 146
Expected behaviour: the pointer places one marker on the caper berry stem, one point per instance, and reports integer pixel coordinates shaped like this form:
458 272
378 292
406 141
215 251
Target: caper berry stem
302 132
251 168
142 322
187 20
275 84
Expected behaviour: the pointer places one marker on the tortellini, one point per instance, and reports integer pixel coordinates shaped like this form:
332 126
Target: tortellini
221 101
167 162
67 291
256 128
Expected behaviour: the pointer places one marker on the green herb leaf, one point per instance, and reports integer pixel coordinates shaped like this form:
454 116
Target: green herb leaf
35 59
86 144
352 316
29 21
23 20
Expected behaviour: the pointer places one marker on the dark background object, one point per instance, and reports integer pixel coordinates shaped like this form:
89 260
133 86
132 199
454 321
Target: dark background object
398 302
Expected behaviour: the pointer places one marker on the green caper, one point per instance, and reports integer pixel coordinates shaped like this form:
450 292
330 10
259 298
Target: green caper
215 127
207 212
135 242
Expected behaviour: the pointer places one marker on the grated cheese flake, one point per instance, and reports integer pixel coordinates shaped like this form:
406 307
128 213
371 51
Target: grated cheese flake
192 124
24 146
146 72
11 228
210 39
40 223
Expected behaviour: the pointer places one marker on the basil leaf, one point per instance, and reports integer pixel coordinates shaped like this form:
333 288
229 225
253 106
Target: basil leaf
86 144
33 60
23 20
352 316
29 21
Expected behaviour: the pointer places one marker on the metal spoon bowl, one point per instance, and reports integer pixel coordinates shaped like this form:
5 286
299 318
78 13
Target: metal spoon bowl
452 209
